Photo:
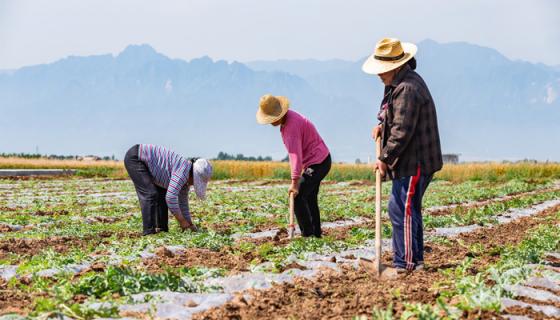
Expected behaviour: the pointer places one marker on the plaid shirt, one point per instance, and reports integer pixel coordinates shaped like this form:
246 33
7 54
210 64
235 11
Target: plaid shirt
410 136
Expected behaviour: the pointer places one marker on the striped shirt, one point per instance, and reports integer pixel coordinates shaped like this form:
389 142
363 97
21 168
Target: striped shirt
169 171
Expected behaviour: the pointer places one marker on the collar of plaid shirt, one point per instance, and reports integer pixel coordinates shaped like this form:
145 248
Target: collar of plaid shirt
400 76
389 91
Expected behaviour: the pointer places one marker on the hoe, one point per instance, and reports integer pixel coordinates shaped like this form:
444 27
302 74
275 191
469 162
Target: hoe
375 267
291 226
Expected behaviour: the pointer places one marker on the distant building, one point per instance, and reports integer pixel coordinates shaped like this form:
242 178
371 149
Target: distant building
451 158
89 158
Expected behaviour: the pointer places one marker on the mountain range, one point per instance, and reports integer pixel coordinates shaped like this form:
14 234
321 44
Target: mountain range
489 107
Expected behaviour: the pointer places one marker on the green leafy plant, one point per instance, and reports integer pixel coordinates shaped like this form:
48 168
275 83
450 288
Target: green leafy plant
125 282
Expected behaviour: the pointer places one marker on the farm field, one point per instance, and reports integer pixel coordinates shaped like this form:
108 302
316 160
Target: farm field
251 170
73 247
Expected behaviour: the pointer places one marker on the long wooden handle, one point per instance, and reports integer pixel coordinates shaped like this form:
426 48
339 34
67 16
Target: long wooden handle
378 209
292 226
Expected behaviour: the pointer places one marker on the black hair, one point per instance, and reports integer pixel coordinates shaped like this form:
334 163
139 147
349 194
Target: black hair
192 161
412 63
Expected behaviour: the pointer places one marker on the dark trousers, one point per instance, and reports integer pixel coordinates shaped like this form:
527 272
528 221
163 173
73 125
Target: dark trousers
306 206
151 196
405 205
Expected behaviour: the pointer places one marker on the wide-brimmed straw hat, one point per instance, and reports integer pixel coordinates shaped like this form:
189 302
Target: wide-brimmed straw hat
202 172
389 54
272 108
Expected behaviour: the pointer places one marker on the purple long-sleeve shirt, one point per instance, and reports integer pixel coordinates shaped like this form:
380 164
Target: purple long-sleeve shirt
304 144
170 171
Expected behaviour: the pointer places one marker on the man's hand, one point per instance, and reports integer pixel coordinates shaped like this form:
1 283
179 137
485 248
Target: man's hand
294 188
381 166
376 132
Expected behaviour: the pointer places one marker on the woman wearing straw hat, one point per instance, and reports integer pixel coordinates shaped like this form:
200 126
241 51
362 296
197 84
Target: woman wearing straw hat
411 151
162 179
310 160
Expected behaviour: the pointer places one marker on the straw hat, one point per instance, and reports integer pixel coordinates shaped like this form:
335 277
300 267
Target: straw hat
202 172
389 54
272 108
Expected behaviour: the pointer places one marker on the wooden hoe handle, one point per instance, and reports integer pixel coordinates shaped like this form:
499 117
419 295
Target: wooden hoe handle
378 209
291 226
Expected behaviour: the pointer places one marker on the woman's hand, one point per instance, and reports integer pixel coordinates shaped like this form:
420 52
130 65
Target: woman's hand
294 188
188 226
184 224
192 227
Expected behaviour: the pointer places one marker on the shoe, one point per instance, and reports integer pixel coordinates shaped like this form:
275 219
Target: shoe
418 267
401 271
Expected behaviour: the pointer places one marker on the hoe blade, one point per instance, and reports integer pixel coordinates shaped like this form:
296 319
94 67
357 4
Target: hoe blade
383 272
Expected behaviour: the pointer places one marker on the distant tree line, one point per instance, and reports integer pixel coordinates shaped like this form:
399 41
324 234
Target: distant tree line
241 157
54 156
21 155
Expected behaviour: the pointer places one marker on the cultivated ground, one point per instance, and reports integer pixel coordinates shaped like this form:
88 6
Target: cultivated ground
73 247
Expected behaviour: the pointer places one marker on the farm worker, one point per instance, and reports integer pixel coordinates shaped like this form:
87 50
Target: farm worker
310 160
162 179
411 151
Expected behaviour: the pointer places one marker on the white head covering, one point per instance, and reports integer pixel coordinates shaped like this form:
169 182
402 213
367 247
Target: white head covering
202 172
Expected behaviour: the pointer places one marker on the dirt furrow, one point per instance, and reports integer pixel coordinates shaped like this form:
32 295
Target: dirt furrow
196 257
353 292
446 210
25 247
432 211
12 300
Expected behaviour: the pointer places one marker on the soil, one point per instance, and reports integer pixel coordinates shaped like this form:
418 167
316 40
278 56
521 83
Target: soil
197 257
96 267
50 213
353 292
6 228
226 229
11 209
29 247
103 219
361 183
281 236
527 312
538 302
227 258
13 301
553 261
556 292
264 227
293 265
482 203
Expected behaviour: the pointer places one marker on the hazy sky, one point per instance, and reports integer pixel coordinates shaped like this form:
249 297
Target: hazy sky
40 31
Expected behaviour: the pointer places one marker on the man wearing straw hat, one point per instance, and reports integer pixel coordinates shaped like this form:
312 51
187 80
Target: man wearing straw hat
411 151
162 179
309 156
